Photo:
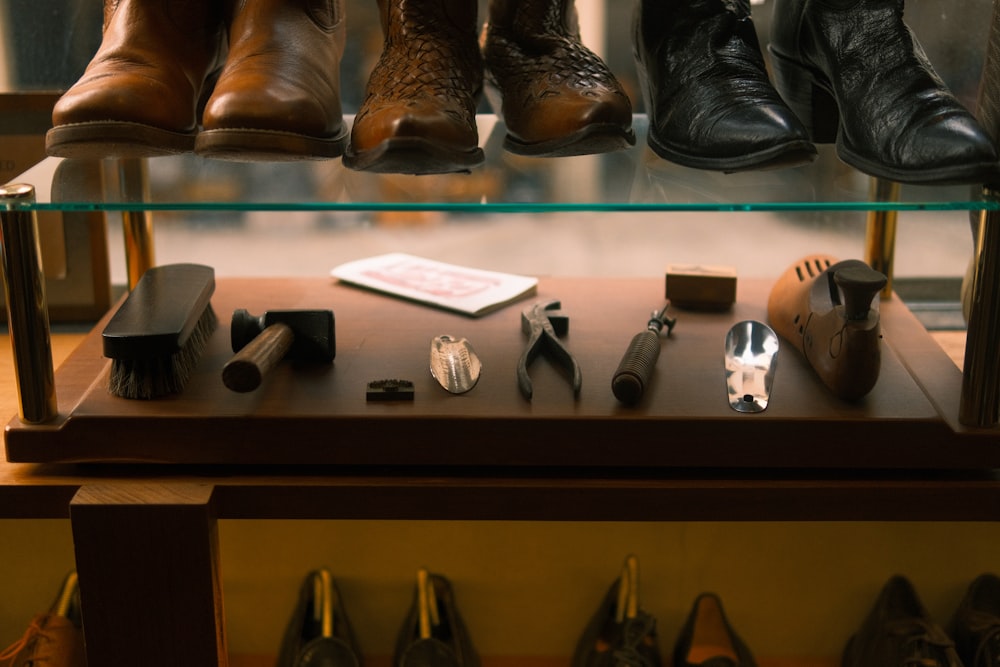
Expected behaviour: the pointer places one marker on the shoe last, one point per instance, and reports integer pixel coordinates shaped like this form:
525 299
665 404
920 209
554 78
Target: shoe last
708 640
855 74
556 97
319 633
975 626
898 631
826 309
434 633
708 97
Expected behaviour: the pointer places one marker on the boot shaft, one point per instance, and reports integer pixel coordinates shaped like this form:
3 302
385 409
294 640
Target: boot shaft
404 19
194 18
535 17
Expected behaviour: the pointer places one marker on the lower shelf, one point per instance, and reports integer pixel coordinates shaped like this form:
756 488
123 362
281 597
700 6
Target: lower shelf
531 661
318 415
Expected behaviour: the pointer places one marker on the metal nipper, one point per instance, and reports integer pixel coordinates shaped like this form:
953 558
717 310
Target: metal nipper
542 322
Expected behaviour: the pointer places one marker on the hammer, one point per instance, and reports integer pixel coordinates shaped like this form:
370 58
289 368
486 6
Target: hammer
260 342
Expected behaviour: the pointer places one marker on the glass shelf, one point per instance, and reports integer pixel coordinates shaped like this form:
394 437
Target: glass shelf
631 180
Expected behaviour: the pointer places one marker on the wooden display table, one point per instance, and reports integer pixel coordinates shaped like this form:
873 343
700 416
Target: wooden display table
318 415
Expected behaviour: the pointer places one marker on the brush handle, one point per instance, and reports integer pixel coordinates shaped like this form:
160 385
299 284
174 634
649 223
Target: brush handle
247 368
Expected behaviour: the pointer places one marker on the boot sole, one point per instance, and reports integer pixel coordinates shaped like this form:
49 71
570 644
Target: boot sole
812 100
413 155
248 145
590 140
115 139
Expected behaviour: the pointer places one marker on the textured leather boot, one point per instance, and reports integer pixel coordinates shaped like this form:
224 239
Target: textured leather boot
556 96
855 74
709 101
139 95
419 111
278 97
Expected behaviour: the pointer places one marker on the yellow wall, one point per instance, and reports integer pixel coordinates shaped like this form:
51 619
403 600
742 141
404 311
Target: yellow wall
525 588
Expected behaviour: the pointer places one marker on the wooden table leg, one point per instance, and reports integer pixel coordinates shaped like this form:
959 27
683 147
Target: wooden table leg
148 565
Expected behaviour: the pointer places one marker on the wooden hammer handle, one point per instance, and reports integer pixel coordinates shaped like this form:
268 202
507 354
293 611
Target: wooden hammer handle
247 368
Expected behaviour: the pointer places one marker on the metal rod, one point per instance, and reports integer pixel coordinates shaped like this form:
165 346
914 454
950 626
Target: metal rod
133 176
880 236
980 400
27 310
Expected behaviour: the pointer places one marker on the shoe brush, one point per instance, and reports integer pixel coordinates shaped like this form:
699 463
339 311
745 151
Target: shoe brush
157 336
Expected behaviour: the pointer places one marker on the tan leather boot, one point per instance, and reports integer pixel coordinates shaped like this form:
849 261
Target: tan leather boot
828 311
278 97
419 111
558 97
139 95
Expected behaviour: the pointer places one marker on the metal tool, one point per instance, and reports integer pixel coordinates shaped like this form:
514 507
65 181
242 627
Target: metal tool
260 342
751 359
629 381
454 363
542 322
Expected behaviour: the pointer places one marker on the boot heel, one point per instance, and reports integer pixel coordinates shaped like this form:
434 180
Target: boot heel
815 107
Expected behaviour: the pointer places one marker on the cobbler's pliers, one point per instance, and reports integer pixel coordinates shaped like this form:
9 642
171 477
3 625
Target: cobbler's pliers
541 322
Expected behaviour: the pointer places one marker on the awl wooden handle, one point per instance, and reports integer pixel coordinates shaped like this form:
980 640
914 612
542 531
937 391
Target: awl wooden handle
247 368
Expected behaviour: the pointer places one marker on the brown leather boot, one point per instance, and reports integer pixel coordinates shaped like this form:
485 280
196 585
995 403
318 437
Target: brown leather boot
558 97
139 95
419 111
278 97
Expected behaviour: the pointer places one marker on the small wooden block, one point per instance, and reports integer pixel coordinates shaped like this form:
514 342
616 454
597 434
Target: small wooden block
701 287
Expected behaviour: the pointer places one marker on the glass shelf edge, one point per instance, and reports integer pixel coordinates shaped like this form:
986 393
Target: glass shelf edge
505 207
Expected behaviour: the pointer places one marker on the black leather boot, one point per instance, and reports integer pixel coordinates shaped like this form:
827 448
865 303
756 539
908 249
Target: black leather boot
708 97
855 74
555 95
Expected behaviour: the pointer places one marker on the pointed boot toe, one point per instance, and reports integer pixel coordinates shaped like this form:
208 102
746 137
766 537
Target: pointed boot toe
434 633
829 57
278 96
827 310
975 625
709 100
319 633
619 632
139 95
418 115
708 640
899 631
556 97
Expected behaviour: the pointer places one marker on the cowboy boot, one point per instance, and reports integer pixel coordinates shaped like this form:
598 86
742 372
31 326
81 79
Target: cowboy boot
709 101
555 95
139 95
855 74
419 111
278 96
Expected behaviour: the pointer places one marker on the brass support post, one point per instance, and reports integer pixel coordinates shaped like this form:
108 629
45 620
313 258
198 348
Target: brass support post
880 236
133 175
980 399
27 310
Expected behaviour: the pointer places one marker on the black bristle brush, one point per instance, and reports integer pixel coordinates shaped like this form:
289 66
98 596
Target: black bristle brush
157 336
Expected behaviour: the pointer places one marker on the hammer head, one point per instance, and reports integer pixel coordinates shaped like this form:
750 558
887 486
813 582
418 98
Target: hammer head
314 333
